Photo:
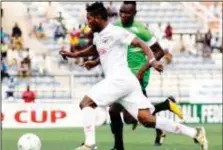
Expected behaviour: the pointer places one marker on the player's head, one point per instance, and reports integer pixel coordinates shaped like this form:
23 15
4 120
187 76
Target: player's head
96 15
127 12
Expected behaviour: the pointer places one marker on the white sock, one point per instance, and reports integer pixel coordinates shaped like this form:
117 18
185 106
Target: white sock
170 126
89 125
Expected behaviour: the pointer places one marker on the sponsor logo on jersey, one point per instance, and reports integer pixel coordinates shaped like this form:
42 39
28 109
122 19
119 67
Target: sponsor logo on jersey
105 40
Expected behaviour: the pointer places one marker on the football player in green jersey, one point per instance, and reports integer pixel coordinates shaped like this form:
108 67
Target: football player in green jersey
136 61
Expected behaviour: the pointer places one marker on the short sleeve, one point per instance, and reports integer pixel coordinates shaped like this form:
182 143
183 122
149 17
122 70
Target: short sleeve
152 41
126 37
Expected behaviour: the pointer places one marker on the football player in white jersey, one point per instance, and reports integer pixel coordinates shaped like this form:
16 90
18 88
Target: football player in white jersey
120 85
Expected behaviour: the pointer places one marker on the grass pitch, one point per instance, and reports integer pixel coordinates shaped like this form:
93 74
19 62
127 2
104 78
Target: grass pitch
140 139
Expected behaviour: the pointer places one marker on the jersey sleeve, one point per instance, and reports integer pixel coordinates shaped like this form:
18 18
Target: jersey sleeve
125 36
146 35
149 38
151 42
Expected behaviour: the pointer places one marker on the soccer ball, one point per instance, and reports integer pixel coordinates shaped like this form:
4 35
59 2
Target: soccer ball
29 141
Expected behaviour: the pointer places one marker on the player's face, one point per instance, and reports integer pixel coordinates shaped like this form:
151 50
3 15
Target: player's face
92 22
127 13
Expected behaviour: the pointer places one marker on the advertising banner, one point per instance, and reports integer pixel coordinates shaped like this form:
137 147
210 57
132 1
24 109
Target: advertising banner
45 115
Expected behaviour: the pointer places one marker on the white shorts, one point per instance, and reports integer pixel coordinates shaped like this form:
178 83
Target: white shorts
125 91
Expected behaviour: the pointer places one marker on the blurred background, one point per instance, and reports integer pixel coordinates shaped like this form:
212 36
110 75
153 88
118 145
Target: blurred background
32 33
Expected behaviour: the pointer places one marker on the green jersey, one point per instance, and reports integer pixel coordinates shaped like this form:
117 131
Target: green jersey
136 57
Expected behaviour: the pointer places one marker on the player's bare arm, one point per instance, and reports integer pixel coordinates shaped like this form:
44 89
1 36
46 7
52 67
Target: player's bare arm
151 58
89 51
158 52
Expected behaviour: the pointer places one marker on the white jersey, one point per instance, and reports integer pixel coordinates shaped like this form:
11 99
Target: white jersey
111 44
120 84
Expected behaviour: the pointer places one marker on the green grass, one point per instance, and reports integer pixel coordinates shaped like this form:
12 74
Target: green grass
141 139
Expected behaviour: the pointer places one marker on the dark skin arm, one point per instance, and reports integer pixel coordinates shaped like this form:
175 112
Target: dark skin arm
158 53
151 58
89 51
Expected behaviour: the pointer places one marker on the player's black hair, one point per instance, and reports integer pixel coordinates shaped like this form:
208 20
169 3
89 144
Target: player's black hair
97 9
130 2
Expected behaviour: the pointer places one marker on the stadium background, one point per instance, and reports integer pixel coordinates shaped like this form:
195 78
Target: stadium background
193 75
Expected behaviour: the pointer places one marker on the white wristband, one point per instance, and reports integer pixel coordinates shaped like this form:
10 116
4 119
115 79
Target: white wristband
151 60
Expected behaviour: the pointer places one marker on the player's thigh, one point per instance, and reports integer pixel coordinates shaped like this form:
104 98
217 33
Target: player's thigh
136 101
106 92
146 118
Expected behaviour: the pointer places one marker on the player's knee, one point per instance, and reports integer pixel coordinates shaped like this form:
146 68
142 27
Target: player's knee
81 105
147 119
87 102
147 122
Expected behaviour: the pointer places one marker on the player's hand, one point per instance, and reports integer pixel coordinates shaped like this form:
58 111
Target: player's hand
89 64
63 54
157 65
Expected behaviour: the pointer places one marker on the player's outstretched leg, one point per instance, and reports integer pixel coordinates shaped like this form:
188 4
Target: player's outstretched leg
168 104
149 120
87 105
116 126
